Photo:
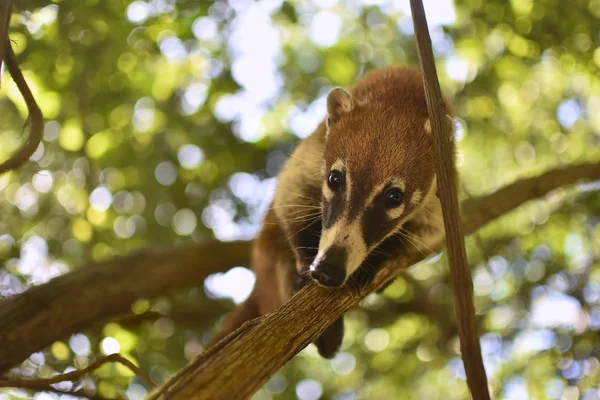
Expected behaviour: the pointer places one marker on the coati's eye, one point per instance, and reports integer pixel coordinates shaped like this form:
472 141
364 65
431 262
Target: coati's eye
394 197
335 180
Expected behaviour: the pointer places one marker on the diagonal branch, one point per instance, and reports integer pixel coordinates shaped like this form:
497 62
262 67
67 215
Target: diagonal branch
446 173
44 314
36 119
74 376
73 393
237 366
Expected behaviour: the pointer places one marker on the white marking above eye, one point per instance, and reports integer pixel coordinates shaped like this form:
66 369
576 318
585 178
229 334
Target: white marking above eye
376 190
338 164
398 183
394 182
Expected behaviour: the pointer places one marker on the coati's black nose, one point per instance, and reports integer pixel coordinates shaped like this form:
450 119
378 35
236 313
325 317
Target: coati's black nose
330 270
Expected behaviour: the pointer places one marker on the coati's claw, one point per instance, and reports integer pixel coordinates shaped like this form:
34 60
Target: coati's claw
301 281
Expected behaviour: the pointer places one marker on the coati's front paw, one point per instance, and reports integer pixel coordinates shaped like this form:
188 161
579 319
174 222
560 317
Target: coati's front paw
303 277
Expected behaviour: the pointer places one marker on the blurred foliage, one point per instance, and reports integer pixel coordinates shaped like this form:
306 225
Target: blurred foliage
168 120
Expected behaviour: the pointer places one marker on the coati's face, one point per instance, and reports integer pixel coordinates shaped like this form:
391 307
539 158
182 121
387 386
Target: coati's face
379 170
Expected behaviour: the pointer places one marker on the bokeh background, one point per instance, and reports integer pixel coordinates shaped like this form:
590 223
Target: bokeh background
167 122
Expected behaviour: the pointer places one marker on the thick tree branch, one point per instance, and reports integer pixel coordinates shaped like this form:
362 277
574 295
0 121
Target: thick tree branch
36 119
480 210
446 178
237 366
68 304
102 292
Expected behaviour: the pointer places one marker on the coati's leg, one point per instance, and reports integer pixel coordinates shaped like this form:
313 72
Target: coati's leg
330 341
272 261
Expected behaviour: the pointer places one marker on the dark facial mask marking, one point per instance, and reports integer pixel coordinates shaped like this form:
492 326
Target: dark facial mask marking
333 209
375 222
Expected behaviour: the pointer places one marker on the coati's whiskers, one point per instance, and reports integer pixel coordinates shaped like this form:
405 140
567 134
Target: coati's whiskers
380 252
410 240
301 196
305 227
294 206
414 240
299 215
307 217
304 274
417 239
435 217
414 245
303 217
303 212
306 161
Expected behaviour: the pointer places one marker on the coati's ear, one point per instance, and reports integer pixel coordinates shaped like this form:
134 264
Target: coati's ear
339 102
449 121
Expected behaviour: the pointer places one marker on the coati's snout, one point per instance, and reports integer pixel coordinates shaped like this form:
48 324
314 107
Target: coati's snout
330 269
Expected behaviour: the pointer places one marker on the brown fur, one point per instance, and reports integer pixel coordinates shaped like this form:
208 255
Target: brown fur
393 102
379 130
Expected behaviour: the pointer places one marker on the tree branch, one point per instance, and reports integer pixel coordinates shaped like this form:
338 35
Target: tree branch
99 293
446 178
478 211
44 314
5 14
74 376
36 119
237 366
76 393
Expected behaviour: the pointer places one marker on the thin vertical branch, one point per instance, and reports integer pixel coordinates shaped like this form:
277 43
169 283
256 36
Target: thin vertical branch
446 178
5 14
36 119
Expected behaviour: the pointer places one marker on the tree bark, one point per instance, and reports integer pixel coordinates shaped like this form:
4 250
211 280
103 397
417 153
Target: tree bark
237 366
102 292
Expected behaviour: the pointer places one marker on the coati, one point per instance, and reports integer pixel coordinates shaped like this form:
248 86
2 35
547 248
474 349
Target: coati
352 195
